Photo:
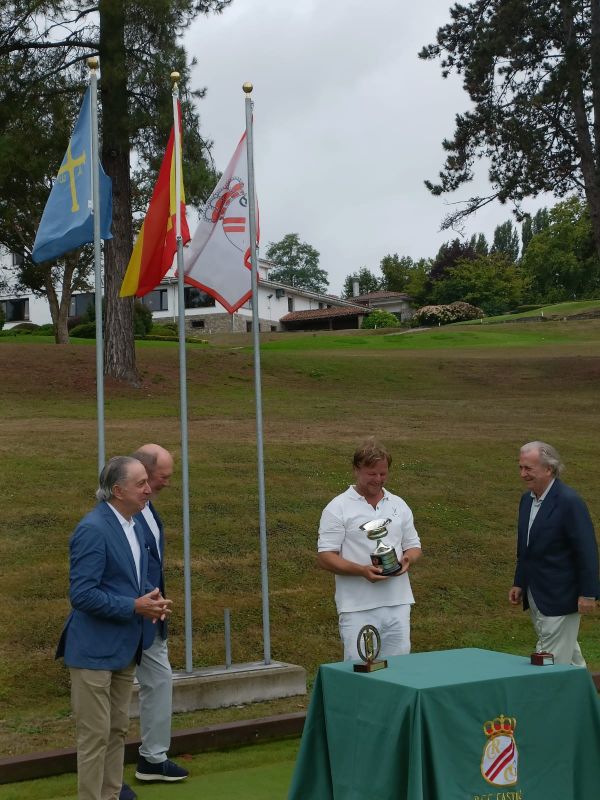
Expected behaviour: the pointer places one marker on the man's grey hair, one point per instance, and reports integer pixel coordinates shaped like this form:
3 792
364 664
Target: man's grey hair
549 456
114 471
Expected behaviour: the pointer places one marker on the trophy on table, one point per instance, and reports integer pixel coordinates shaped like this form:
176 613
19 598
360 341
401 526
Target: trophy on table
384 555
368 645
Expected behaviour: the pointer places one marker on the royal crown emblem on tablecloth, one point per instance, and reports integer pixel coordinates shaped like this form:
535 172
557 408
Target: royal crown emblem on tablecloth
500 756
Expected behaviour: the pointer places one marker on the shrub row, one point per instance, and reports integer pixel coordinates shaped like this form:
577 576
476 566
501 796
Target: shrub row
443 315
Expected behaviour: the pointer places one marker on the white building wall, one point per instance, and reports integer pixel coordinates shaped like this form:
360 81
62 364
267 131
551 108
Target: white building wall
274 302
36 308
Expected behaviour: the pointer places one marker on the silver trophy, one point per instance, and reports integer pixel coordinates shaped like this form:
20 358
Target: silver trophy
384 555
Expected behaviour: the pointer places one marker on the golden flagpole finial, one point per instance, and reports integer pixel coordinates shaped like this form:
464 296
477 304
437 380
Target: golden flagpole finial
247 87
175 76
93 62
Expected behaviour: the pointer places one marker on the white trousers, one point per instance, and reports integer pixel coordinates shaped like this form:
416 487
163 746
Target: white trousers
156 699
392 622
557 635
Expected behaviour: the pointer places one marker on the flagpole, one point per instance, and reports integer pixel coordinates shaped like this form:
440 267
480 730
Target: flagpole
183 411
264 576
93 66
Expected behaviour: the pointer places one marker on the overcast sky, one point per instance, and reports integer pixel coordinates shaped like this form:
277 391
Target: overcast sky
348 122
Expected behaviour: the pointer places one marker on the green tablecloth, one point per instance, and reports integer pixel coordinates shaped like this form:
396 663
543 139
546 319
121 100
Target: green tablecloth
415 731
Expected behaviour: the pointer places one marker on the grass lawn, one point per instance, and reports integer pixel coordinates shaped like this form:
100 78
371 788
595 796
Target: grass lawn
453 405
259 772
556 310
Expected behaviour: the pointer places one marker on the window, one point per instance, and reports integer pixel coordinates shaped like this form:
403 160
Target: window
16 310
196 298
248 327
321 305
80 304
197 323
17 259
273 327
290 303
157 300
279 293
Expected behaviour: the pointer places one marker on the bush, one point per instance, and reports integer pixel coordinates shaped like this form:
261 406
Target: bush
172 326
188 339
163 330
73 322
378 318
444 315
142 319
22 327
87 330
44 330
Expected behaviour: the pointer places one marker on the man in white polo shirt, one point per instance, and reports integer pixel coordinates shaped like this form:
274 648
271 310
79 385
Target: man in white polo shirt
363 595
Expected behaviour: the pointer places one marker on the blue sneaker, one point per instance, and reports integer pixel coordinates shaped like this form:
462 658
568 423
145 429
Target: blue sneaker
127 793
165 771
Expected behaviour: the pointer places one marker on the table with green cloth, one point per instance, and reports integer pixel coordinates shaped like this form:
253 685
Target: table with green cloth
453 725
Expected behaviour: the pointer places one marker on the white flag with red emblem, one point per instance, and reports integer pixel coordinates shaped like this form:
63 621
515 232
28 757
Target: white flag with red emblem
218 257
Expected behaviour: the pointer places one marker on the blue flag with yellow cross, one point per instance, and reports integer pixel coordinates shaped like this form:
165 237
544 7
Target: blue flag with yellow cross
68 221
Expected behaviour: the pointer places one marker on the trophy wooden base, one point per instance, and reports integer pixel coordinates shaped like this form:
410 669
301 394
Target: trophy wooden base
371 666
542 659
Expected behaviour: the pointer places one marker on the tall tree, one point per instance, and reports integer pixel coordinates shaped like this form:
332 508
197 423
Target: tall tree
532 72
449 254
419 284
561 260
532 225
506 240
493 283
33 140
479 244
367 282
396 272
526 232
297 264
137 45
540 221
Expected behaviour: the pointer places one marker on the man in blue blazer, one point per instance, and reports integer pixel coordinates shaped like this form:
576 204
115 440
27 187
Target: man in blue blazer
153 672
556 577
103 635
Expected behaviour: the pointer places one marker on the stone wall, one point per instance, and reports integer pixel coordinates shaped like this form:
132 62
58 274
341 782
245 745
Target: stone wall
222 323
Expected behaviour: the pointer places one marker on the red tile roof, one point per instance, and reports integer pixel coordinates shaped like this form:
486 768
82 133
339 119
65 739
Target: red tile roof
322 313
363 298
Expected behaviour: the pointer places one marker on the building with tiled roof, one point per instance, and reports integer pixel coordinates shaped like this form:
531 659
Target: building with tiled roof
396 303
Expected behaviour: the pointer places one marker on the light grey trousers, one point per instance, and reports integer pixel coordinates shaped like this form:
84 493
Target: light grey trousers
557 635
156 700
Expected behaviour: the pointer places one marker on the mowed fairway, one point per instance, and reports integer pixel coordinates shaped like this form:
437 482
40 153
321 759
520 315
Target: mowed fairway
452 405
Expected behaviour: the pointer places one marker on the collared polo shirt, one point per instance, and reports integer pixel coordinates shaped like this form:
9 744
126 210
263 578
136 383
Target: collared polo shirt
339 531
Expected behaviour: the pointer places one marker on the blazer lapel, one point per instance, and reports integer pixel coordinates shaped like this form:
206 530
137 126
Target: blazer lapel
161 530
524 513
121 540
545 510
143 555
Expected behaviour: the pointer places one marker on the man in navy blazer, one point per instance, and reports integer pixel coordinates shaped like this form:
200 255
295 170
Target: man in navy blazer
103 635
153 672
556 577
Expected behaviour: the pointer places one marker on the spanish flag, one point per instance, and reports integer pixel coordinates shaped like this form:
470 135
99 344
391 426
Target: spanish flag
156 244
